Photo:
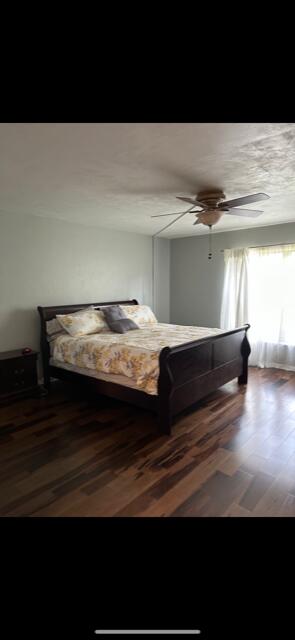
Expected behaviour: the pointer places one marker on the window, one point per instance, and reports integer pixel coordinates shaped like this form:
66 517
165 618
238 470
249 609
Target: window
272 294
259 288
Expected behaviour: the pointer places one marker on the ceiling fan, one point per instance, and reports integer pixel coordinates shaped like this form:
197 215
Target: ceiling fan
213 206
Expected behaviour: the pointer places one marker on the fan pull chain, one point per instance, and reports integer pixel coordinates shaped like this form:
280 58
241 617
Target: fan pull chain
210 243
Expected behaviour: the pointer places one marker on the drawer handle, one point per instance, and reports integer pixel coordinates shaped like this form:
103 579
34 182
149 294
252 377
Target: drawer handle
19 371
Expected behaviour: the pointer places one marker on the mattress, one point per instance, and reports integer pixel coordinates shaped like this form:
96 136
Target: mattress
107 377
133 355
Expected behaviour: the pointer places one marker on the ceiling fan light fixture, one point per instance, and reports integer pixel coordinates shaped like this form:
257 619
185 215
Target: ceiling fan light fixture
209 217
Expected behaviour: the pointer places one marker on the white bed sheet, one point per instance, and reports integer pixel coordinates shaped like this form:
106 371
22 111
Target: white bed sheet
107 377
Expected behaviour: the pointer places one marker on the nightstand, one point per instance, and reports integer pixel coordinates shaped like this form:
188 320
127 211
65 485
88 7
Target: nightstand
18 374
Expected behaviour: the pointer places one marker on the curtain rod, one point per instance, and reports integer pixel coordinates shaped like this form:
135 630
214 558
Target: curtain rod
261 246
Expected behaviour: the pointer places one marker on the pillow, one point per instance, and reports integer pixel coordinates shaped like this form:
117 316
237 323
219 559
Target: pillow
54 328
117 319
83 323
140 313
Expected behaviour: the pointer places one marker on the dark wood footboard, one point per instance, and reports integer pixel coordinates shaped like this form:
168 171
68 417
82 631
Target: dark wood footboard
188 372
193 370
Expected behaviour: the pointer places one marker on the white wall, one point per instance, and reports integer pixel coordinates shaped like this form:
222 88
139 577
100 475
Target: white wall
196 282
47 262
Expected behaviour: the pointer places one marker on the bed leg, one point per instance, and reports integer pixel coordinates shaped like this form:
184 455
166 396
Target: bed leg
245 351
47 381
243 378
165 422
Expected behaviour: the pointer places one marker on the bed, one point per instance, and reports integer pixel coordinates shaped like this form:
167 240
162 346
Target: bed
184 373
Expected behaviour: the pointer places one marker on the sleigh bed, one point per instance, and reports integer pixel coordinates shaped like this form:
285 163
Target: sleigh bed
187 372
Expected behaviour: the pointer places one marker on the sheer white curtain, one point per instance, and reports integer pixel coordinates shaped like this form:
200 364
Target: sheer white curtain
259 288
272 306
234 308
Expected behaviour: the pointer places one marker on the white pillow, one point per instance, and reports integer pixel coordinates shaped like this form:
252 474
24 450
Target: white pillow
54 328
84 323
140 313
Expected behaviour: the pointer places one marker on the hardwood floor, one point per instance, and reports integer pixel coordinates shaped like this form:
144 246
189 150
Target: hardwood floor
71 455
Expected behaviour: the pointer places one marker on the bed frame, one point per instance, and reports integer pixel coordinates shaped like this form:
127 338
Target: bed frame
188 372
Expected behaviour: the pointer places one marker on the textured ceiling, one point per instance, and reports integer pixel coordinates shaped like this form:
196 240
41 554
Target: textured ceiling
118 175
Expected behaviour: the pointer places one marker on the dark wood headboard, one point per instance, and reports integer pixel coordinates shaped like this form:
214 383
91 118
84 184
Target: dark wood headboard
48 313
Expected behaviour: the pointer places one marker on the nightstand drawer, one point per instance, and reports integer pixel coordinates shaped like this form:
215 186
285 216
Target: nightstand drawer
17 384
18 373
19 368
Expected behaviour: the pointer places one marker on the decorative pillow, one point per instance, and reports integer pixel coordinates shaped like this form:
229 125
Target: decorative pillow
117 319
140 313
83 323
54 328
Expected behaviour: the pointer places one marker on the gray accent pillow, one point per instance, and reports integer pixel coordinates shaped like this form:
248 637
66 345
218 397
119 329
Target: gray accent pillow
117 320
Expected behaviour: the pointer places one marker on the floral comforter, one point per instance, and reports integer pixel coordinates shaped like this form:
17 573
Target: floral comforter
134 354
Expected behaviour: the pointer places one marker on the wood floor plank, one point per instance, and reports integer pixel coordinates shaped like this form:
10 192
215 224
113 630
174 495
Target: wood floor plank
257 488
215 496
236 511
175 496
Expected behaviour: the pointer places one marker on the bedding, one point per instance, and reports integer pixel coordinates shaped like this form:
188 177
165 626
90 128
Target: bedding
134 354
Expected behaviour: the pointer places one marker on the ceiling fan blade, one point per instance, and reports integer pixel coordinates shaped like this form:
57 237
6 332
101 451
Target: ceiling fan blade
197 222
173 222
162 215
245 213
255 197
191 200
